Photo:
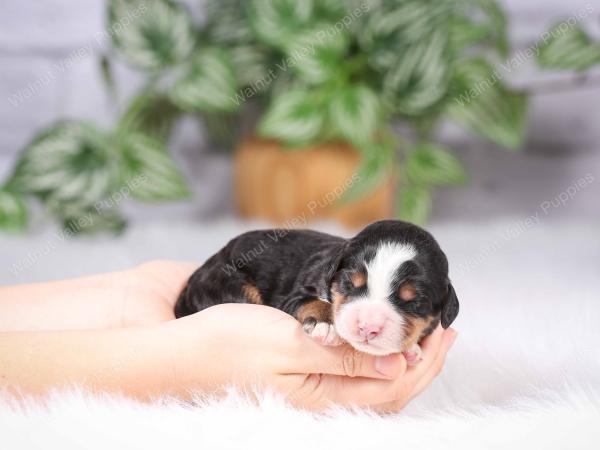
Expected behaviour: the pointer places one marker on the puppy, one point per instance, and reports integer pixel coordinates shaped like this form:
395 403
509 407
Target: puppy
382 291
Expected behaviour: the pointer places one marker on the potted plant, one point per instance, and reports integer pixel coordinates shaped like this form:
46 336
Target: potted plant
330 81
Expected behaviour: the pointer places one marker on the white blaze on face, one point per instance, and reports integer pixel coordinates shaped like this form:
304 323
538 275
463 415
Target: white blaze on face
374 309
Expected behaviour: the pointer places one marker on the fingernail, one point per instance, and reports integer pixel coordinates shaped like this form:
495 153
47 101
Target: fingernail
387 365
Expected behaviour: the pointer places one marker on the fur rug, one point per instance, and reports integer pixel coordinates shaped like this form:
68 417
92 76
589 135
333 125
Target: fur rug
524 372
550 420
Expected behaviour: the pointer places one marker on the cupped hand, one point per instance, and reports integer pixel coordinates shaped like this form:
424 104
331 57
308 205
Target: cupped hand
254 346
147 293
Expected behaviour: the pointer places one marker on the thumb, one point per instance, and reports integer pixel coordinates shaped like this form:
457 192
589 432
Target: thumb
347 361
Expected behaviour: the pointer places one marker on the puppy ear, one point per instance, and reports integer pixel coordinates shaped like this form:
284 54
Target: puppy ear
450 307
334 265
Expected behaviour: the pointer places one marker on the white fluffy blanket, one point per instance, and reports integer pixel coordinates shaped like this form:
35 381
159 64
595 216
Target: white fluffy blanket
524 373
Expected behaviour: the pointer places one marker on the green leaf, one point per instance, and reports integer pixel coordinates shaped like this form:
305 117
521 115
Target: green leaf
316 54
335 9
478 22
355 113
151 35
149 172
420 78
227 23
392 27
93 221
374 169
209 85
251 65
293 117
464 33
497 24
568 47
414 204
431 164
13 211
68 164
283 83
276 21
152 113
481 103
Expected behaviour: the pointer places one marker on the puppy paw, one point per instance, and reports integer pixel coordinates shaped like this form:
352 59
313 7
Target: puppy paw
322 332
413 355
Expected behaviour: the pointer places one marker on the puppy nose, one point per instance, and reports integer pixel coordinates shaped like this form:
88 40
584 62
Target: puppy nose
369 331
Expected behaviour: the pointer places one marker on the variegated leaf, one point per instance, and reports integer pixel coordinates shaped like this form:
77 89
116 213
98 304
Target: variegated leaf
251 66
152 113
431 164
149 172
374 169
93 221
355 113
482 103
464 33
151 35
414 204
227 23
276 21
316 53
293 117
495 20
13 211
568 47
420 77
392 27
209 85
68 164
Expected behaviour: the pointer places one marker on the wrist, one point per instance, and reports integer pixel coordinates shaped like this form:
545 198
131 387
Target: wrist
180 357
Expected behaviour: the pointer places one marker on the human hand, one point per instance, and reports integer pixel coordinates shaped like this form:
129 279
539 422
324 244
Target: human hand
143 295
256 346
149 291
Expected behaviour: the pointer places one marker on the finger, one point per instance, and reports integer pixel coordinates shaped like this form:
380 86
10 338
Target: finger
347 361
430 347
448 338
362 392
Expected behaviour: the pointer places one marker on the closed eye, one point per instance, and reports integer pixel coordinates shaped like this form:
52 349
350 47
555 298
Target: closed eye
355 282
359 279
407 292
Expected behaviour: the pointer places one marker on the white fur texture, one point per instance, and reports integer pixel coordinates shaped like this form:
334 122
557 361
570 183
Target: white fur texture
380 271
524 372
374 309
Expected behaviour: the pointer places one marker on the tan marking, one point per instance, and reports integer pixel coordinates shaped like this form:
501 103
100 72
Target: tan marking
359 279
338 299
414 329
252 294
407 292
318 309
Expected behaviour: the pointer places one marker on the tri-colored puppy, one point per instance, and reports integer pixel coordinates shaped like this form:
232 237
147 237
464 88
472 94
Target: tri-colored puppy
381 291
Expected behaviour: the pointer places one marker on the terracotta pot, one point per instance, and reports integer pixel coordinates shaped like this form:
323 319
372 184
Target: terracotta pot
294 187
